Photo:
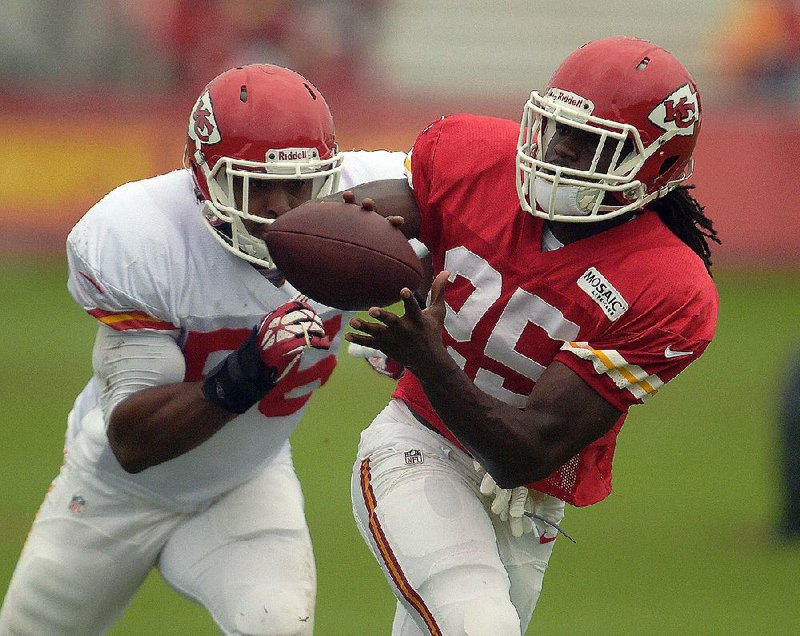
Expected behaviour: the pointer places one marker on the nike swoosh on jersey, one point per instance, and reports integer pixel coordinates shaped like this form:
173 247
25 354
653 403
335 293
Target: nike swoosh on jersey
669 353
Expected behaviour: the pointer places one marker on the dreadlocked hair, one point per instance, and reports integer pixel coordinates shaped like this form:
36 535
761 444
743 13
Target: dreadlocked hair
682 214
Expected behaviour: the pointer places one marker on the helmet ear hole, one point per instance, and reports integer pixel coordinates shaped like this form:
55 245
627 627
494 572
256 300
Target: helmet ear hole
667 164
666 171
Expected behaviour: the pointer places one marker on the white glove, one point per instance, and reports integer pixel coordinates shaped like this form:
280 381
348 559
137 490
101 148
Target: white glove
546 512
508 503
377 359
525 510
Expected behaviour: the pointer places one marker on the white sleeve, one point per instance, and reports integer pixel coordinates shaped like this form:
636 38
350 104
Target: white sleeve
127 361
124 267
362 166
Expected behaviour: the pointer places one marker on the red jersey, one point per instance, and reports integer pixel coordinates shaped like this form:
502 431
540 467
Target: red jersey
626 309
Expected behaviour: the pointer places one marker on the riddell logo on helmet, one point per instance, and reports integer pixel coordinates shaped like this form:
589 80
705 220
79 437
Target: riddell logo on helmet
202 123
680 112
292 154
571 99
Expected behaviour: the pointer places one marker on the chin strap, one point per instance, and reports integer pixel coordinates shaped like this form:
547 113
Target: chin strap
555 526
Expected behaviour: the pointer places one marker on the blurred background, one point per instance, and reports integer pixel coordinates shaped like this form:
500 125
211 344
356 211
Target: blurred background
98 91
699 536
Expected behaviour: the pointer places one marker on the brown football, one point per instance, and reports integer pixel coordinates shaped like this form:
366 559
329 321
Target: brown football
343 256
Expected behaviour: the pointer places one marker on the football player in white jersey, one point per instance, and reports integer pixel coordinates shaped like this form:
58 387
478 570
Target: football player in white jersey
177 450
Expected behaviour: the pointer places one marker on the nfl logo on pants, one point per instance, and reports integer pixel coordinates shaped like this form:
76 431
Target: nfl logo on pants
76 504
414 456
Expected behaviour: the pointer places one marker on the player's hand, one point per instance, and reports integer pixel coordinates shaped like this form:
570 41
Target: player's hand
270 352
368 205
525 510
284 333
508 504
414 339
377 360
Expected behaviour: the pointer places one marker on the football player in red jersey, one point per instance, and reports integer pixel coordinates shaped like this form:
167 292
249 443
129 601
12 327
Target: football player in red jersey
572 281
177 451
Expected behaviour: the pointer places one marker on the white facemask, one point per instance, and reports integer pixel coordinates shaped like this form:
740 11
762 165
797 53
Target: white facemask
569 200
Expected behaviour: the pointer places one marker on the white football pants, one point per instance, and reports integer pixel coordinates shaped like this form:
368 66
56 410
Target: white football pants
247 558
454 567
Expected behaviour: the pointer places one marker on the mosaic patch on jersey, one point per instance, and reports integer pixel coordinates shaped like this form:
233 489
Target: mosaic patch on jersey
680 111
603 293
202 122
414 456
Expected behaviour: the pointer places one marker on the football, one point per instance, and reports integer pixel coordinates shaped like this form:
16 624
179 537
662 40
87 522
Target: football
342 255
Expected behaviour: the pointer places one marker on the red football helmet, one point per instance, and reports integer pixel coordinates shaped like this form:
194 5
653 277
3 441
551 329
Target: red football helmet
642 107
257 122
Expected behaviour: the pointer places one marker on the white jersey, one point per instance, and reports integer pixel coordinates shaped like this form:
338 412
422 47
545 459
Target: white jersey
141 259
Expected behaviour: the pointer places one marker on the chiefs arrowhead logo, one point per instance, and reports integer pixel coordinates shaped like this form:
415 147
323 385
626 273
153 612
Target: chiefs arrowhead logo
202 123
680 112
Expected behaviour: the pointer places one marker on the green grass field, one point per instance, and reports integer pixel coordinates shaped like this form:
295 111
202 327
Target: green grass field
685 545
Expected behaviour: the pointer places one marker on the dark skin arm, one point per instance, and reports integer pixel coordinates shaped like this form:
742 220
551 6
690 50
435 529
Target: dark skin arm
516 446
160 423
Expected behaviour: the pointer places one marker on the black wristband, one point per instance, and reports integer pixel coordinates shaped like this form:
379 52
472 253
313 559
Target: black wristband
241 379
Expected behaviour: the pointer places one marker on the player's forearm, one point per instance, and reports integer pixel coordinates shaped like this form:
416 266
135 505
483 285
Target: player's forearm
563 414
160 423
507 441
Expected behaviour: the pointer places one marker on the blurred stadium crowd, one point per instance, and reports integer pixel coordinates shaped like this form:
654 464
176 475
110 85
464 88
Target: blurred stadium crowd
156 46
86 81
759 49
166 45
